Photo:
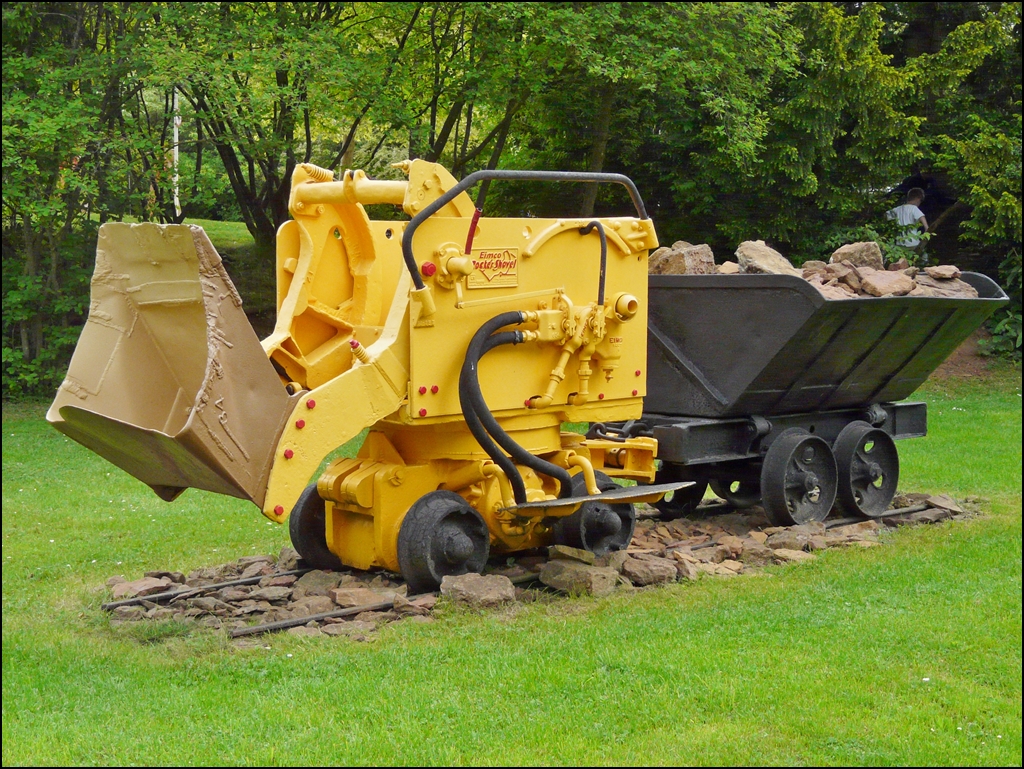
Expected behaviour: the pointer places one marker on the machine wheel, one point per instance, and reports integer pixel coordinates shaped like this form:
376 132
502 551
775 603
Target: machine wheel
596 526
441 535
682 502
739 494
869 469
307 526
798 478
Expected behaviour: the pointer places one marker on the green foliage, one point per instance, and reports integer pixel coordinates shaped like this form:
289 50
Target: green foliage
42 318
987 164
790 122
1005 325
839 137
58 139
972 87
687 103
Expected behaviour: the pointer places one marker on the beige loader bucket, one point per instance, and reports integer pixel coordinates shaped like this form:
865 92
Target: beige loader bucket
169 381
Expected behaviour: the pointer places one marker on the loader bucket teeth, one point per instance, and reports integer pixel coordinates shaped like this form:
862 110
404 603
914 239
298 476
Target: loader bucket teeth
169 381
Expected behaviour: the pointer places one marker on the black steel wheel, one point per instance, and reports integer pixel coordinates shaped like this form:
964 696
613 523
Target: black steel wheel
307 526
597 526
798 478
869 469
681 502
739 494
441 535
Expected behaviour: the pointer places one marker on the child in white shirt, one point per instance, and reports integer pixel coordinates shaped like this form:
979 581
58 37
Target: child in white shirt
909 217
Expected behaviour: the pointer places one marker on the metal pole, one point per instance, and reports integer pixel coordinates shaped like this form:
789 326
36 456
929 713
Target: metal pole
174 151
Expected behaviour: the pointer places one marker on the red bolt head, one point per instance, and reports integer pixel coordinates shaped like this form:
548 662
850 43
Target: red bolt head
527 403
288 453
600 396
434 389
635 392
300 423
422 390
428 269
311 404
638 372
354 344
279 510
423 412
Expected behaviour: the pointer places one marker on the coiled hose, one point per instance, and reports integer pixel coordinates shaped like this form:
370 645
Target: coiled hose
481 422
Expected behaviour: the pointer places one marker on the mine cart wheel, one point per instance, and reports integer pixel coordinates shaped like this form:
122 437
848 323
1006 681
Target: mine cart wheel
681 502
798 478
441 535
307 526
597 526
739 494
869 468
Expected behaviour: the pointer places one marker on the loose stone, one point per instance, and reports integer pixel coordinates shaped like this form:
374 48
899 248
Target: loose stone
479 590
649 571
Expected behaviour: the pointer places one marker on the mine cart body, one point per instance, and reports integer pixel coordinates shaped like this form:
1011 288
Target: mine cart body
736 361
736 345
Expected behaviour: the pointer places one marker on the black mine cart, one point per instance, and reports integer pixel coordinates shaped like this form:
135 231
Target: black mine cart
761 387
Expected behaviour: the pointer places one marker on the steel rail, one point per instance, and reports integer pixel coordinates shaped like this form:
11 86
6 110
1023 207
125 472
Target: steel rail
284 624
171 594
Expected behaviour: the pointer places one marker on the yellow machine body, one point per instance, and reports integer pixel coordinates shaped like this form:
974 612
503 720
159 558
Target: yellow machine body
356 346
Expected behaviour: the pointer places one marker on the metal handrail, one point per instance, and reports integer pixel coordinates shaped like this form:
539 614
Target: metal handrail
479 176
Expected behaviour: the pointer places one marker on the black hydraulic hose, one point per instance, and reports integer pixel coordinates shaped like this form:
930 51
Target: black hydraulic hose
479 176
604 256
517 452
476 427
472 401
470 414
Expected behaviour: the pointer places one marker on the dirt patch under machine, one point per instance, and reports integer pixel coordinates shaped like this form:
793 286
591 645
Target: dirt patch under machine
259 594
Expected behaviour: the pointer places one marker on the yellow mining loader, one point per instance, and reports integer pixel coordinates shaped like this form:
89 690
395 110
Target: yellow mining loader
462 343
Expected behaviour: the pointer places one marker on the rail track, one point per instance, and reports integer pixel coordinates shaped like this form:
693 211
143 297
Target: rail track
172 596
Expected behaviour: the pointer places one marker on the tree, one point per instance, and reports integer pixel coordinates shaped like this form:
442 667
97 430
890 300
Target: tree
62 82
793 122
658 91
969 76
311 79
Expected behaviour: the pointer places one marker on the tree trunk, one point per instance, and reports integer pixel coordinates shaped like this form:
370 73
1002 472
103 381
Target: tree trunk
350 149
492 163
598 147
31 267
439 142
459 164
266 246
957 208
254 211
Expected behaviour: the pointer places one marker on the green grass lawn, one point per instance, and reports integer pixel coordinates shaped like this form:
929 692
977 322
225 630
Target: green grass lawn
226 236
906 654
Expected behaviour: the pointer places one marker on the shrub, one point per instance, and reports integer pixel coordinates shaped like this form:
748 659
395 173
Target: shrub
1005 325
